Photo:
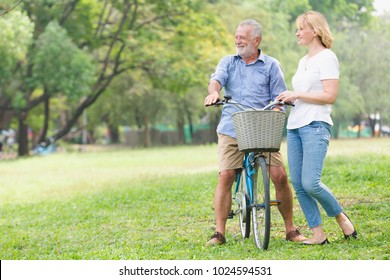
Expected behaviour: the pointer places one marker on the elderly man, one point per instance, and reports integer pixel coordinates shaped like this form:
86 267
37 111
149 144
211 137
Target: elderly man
252 78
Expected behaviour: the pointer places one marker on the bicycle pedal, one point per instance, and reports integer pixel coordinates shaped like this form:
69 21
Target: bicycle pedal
231 215
275 202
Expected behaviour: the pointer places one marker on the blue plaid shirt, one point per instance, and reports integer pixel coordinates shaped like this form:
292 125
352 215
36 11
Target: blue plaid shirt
255 85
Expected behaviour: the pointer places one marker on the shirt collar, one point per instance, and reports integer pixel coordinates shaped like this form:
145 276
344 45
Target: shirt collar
261 56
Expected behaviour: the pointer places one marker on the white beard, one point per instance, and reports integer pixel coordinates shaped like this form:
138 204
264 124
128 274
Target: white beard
246 51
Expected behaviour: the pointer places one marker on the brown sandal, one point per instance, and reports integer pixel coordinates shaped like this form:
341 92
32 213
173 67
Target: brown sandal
295 236
216 239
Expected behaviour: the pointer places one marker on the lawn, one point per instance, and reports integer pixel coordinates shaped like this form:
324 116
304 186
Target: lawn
156 204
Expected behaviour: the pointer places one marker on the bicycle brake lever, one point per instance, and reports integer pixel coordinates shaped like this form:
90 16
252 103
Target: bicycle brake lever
289 103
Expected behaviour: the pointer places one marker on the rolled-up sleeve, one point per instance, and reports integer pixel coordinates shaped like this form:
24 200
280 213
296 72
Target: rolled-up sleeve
221 71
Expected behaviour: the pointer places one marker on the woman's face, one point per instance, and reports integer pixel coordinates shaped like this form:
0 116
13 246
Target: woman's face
305 35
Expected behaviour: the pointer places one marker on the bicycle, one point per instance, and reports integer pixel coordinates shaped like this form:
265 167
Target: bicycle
258 131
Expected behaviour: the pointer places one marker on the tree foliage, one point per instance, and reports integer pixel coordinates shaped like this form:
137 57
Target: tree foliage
16 38
73 72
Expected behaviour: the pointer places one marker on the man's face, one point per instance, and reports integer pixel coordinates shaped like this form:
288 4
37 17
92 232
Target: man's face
246 46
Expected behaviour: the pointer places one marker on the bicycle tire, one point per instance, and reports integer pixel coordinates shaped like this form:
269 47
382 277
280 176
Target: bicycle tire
261 208
244 217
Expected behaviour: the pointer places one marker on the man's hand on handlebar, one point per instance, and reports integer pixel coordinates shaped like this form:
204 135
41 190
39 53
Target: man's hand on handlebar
211 99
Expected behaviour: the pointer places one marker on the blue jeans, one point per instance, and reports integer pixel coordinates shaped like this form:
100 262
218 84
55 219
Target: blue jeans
306 150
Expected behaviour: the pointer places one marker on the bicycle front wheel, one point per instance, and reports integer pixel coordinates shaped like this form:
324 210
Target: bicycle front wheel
261 209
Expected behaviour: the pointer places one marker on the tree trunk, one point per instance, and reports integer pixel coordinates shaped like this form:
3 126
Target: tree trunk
214 121
180 131
146 138
23 135
191 126
114 134
42 138
336 128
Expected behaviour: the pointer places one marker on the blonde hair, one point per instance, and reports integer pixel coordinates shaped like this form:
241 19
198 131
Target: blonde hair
319 24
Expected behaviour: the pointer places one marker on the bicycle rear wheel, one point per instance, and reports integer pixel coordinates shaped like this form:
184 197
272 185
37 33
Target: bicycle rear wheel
261 210
244 209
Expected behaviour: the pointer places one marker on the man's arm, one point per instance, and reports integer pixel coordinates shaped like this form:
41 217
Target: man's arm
214 88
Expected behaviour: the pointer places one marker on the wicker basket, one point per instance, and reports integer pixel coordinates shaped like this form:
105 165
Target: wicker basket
259 130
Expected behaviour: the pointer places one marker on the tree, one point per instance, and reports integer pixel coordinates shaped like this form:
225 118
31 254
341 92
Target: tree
124 26
178 61
114 32
341 13
8 5
366 66
16 34
70 76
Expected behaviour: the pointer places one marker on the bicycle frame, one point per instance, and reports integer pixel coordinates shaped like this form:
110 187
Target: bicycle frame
249 166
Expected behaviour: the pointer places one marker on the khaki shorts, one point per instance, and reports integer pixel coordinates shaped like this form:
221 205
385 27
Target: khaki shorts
230 156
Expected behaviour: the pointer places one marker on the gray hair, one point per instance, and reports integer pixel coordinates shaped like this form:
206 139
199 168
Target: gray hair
256 27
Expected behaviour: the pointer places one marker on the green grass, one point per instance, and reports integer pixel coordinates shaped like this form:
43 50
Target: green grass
157 204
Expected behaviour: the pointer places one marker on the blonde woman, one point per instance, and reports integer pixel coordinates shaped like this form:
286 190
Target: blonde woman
315 85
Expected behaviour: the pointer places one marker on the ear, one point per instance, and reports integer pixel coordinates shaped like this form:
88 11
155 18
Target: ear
258 40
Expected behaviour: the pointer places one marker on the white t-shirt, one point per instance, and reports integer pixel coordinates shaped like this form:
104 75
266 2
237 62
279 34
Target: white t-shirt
310 73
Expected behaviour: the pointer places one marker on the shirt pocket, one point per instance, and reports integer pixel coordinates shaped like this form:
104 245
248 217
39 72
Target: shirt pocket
260 83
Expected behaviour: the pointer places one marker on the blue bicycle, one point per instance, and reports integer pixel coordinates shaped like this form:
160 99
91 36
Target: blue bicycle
259 131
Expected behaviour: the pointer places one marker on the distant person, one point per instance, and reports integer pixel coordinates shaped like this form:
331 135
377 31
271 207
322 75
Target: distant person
252 78
11 139
315 85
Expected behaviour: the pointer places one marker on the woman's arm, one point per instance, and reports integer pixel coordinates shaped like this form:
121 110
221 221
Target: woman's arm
327 96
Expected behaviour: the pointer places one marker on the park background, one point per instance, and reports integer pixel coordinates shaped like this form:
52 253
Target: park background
119 87
136 72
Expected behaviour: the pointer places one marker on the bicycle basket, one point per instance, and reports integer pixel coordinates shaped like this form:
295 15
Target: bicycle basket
259 130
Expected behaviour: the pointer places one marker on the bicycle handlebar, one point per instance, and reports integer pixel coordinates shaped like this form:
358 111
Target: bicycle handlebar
229 100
